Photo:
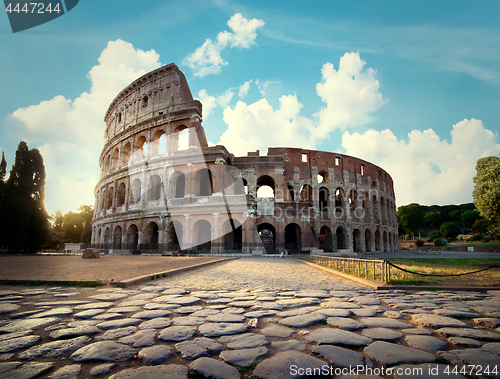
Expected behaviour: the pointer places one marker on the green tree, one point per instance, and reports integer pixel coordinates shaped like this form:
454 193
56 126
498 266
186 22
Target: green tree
3 171
450 230
486 192
23 219
58 221
411 218
468 218
73 225
86 212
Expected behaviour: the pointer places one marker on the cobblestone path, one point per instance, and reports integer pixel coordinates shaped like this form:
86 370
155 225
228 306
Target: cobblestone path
248 318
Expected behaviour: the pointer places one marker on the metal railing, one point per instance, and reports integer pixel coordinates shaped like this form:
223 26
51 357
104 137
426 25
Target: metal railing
373 269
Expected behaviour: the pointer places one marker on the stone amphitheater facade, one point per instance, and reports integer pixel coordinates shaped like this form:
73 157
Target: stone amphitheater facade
162 187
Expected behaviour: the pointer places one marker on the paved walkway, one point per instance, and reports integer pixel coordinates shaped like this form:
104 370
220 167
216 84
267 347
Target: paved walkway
267 318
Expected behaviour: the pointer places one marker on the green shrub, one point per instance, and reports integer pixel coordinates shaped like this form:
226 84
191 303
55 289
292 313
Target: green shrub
419 243
440 242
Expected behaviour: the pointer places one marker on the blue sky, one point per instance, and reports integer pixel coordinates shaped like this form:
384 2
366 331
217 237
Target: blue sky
414 88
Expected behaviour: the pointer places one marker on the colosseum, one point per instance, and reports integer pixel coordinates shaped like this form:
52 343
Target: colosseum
163 188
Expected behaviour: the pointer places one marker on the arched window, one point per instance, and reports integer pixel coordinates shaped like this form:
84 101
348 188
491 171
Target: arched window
135 193
158 146
204 178
120 199
306 193
140 149
265 186
154 188
126 154
183 140
111 193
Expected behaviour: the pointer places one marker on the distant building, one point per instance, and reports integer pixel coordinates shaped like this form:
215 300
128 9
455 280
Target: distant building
163 188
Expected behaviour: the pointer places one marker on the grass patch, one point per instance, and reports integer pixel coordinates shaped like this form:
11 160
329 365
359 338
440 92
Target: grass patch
442 360
194 375
254 364
242 370
65 283
323 321
410 282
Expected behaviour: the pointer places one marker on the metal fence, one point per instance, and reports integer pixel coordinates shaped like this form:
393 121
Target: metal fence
373 269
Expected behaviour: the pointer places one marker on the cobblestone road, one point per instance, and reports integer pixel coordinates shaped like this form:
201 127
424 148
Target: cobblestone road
267 318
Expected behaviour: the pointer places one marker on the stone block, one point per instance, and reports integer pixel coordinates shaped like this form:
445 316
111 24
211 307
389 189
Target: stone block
91 253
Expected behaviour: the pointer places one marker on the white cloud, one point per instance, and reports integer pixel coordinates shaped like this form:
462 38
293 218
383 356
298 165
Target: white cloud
243 89
425 168
259 126
206 59
224 99
208 102
70 132
350 94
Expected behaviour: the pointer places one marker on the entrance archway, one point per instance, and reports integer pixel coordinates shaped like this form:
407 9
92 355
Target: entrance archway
340 238
325 239
202 233
356 240
267 234
233 238
293 238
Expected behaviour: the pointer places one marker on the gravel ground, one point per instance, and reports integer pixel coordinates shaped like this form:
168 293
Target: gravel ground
104 269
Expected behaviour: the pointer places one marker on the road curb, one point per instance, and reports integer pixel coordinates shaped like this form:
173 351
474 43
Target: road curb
379 286
161 275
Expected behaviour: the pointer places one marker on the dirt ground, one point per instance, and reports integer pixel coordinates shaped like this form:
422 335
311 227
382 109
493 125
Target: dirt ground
105 269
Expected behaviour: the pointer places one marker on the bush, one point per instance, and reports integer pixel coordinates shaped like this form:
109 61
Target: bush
433 235
487 239
419 243
450 230
440 242
477 236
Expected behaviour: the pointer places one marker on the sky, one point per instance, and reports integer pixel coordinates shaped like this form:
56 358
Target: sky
413 87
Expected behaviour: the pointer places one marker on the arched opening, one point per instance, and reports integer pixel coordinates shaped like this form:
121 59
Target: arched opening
117 238
324 202
204 178
108 164
183 141
154 192
135 191
325 239
202 233
152 232
383 210
140 149
158 146
175 232
390 242
323 177
340 234
386 245
378 245
111 193
368 238
293 238
120 195
132 237
180 186
306 193
353 196
233 235
126 154
375 209
339 202
107 237
265 186
356 241
116 162
267 234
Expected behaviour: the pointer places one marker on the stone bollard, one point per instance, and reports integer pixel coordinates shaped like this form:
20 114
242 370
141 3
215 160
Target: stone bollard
91 253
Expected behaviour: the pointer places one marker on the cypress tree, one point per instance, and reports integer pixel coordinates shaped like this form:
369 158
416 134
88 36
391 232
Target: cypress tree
23 219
